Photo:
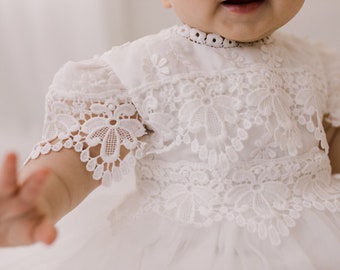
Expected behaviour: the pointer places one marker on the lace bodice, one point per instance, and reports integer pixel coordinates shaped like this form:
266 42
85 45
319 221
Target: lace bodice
214 132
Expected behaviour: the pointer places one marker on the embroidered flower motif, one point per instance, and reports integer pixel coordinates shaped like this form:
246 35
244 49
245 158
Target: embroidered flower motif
190 198
259 199
155 67
318 190
209 110
254 194
111 126
59 123
114 131
273 102
211 118
271 98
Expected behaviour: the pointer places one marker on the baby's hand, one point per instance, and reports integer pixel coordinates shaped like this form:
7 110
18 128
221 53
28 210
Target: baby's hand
24 215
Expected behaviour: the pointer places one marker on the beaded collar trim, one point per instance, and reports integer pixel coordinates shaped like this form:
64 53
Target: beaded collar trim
214 40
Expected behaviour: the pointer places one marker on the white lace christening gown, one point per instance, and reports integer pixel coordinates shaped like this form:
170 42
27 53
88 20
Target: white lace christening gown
227 144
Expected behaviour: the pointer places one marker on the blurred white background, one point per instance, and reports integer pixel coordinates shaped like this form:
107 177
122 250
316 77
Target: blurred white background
38 36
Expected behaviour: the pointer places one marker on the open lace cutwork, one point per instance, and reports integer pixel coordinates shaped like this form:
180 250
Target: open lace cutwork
216 41
97 125
109 125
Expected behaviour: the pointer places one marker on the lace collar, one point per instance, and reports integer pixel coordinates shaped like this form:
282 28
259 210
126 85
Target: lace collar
214 40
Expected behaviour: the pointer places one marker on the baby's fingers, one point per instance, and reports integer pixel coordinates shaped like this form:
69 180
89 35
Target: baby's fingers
30 230
33 186
45 233
8 176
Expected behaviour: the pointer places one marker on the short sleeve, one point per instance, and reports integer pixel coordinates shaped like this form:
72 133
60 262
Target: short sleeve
88 109
331 60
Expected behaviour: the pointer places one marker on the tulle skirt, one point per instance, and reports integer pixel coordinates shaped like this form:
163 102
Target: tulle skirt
88 241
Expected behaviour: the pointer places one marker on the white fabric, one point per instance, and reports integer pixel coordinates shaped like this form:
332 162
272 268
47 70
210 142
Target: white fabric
234 173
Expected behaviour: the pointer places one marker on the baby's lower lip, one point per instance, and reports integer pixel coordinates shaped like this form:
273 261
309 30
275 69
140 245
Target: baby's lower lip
242 6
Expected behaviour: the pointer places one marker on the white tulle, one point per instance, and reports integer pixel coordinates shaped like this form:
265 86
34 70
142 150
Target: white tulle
156 243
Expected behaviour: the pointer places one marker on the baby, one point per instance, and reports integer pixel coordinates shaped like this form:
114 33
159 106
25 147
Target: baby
222 121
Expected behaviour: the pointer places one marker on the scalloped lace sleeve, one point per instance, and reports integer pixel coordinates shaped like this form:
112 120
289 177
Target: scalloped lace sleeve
88 110
332 66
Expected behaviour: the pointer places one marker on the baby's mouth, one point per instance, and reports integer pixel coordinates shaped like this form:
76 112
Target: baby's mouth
240 2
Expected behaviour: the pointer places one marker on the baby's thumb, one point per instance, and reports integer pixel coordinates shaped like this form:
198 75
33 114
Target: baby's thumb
45 232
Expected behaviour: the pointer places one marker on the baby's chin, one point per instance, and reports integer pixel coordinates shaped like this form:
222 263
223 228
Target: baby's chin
245 34
245 38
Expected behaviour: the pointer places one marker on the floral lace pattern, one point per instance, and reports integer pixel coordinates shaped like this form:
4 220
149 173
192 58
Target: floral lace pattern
254 135
96 127
217 120
264 197
110 126
247 125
